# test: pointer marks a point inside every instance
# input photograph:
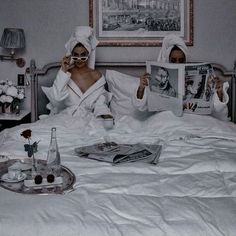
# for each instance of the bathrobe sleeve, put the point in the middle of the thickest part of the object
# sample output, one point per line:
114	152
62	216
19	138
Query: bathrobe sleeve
220	109
59	90
101	105
140	104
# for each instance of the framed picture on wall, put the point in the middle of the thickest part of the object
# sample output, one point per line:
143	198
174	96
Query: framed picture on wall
140	22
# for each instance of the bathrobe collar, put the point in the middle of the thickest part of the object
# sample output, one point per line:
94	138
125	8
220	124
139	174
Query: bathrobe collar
75	88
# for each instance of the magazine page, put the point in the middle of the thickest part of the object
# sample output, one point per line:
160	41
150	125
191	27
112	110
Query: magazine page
140	152
123	153
166	87
199	88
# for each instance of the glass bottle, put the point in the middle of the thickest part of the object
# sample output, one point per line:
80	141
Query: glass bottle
53	157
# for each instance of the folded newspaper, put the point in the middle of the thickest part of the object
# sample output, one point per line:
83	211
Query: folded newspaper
181	87
121	153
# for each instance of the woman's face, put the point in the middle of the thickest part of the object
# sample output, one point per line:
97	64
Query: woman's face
161	76
80	56
177	56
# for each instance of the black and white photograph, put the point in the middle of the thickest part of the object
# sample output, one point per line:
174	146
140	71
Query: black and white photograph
164	81
140	21
194	86
165	87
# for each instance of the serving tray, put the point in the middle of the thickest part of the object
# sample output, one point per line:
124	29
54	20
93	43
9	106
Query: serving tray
68	180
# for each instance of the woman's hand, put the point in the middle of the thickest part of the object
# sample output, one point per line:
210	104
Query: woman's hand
144	80
219	88
65	64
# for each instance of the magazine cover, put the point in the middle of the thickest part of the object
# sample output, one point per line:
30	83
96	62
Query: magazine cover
180	87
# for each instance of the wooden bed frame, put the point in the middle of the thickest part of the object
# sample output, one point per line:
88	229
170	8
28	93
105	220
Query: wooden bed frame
44	77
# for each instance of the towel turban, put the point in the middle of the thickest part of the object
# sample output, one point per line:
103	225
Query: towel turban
168	43
86	36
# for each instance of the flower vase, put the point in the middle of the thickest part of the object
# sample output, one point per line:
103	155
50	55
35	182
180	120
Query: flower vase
7	108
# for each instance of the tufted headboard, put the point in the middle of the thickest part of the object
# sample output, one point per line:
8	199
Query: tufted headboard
45	76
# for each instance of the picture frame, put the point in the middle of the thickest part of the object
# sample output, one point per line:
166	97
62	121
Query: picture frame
140	22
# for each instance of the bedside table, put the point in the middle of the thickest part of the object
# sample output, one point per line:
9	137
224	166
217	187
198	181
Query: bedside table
10	120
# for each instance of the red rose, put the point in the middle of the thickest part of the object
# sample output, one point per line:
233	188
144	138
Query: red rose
26	133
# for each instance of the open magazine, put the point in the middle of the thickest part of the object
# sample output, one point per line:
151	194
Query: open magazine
181	87
121	153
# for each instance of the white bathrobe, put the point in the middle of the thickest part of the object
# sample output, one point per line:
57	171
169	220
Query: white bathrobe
65	96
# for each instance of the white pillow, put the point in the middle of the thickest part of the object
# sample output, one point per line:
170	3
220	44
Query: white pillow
122	87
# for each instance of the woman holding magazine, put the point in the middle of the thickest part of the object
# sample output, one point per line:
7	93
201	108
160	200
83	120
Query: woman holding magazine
174	50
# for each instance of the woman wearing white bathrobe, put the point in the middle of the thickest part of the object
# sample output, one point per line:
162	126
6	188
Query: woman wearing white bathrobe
174	50
79	89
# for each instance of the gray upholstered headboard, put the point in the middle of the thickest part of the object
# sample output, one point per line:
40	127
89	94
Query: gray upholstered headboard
45	76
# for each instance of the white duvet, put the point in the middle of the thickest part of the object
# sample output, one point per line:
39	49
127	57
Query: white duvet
192	190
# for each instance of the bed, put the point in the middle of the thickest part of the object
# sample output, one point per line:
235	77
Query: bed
191	191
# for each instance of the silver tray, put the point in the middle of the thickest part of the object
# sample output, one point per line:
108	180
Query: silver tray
19	187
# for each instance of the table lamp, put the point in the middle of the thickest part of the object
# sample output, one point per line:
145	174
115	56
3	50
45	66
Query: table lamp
13	38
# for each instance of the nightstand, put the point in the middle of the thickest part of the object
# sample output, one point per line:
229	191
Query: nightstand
10	120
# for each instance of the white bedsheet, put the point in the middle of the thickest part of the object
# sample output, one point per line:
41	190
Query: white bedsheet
192	190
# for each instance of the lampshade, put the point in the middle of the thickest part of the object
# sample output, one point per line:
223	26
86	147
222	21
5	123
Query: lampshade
13	38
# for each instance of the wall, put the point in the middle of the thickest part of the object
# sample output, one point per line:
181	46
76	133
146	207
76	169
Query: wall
49	23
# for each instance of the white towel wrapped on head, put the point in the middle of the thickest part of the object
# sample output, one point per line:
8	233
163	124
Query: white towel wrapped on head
168	43
86	36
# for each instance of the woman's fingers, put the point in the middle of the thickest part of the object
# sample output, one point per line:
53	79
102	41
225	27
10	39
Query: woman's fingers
219	88
145	79
65	64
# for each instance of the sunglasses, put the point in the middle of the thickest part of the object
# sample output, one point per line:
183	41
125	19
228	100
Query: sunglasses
83	59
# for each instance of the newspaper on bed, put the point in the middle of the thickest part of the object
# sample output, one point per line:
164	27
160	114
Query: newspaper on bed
181	87
121	153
